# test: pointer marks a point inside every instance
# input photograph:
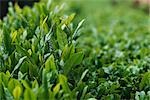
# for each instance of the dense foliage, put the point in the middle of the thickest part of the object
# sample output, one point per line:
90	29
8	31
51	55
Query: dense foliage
46	54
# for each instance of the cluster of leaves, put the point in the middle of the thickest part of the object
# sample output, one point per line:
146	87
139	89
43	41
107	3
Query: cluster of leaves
38	52
42	56
117	49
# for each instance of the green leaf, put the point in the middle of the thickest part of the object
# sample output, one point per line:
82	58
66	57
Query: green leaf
17	8
35	84
17	92
33	70
24	67
7	40
45	93
67	52
77	29
22	51
2	94
50	64
44	25
25	84
140	96
91	99
83	75
44	21
19	64
8	95
145	82
84	92
14	35
74	60
68	20
56	89
12	84
4	78
61	38
29	95
64	83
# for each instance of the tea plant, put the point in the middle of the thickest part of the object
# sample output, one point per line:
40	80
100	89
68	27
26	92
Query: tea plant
46	54
38	53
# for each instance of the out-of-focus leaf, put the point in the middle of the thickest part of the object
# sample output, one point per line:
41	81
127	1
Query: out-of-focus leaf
84	92
145	82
